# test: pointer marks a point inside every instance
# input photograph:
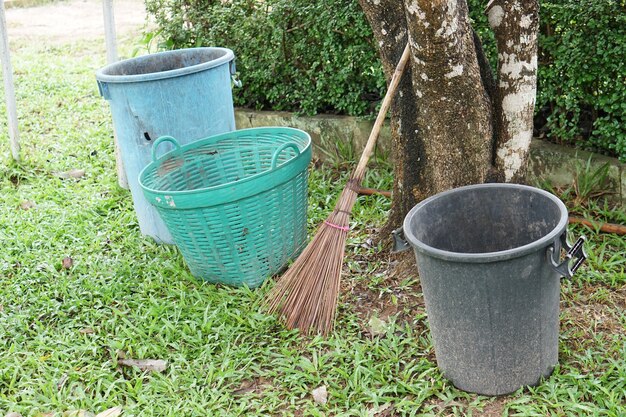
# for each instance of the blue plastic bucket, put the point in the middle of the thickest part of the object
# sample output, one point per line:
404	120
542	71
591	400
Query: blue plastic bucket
183	93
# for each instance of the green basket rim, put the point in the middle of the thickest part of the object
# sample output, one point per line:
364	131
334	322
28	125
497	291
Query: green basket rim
302	160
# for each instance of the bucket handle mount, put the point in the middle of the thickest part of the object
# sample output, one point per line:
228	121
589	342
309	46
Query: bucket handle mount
574	257
399	241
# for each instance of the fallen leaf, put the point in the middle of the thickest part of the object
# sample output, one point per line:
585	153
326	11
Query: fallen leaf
320	395
72	173
368	244
87	330
27	205
389	311
13	414
155	365
78	413
67	262
44	415
377	326
44	267
380	411
245	387
62	382
111	412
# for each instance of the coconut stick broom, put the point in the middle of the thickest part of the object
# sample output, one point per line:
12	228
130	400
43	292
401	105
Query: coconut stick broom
306	295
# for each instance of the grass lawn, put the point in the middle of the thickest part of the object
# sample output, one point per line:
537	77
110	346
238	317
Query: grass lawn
64	324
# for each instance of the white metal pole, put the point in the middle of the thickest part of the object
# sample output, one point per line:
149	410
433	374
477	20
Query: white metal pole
109	31
9	90
111	45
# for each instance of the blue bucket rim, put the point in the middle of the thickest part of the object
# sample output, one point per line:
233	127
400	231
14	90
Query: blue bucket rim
103	75
485	257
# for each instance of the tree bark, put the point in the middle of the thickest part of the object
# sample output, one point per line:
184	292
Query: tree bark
515	24
454	116
452	123
390	32
442	135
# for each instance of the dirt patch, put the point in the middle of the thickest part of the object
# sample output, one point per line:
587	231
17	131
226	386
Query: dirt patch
390	289
494	408
594	319
596	308
461	406
593	314
69	21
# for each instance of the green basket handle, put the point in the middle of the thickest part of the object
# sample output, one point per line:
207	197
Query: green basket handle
282	148
160	141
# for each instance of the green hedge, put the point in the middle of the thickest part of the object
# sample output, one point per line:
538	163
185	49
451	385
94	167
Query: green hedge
582	75
295	55
319	57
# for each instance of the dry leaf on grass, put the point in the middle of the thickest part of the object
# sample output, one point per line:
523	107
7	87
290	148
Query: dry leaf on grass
377	326
320	395
67	262
383	410
27	205
78	413
61	382
111	412
154	365
87	330
72	173
14	414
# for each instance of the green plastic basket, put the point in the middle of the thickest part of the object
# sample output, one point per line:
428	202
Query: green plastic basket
235	203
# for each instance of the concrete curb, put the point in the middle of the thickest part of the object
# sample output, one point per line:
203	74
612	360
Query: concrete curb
548	162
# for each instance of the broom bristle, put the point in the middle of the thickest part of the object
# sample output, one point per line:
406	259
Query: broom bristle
306	295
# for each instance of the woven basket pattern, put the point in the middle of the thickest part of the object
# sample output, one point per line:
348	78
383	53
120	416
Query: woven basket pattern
235	219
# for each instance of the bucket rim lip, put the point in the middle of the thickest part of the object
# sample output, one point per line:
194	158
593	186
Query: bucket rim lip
484	257
102	76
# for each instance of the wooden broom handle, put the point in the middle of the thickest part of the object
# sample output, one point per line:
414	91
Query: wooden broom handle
382	113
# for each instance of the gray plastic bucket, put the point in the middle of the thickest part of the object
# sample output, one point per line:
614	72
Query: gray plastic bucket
489	262
182	93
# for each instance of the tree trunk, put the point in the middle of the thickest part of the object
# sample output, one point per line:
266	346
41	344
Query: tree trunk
454	111
445	123
390	31
441	118
515	24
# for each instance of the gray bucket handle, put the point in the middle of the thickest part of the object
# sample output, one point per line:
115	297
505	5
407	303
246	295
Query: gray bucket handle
399	241
574	257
